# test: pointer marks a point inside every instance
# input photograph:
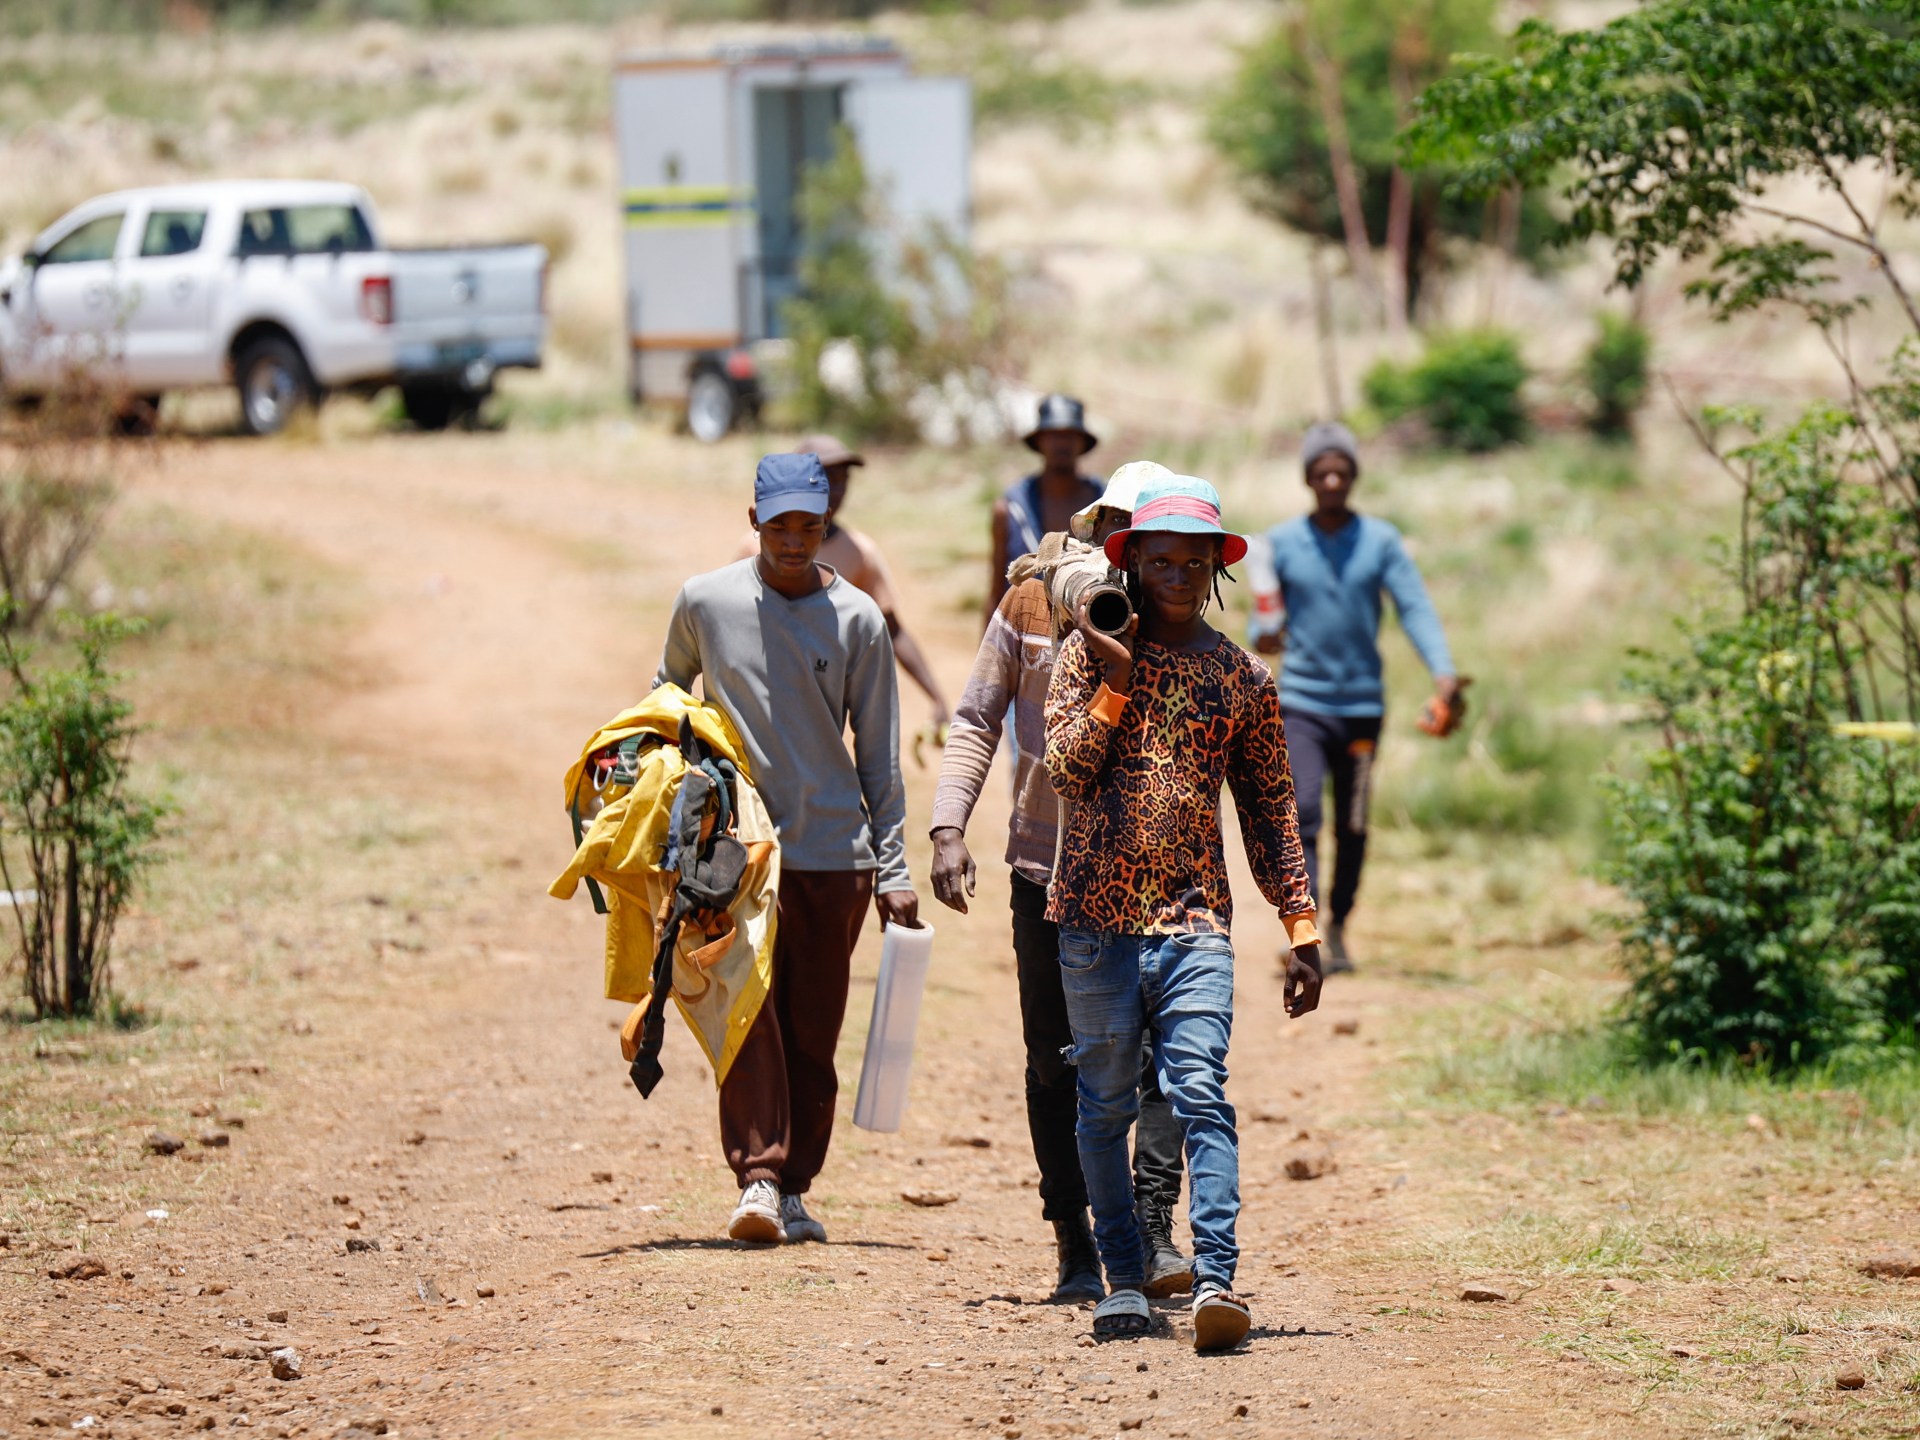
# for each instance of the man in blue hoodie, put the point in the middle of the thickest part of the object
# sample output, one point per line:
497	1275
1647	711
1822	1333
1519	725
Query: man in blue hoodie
1333	566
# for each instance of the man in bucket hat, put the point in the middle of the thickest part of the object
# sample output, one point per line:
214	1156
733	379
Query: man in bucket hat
1010	675
1043	502
796	656
1143	730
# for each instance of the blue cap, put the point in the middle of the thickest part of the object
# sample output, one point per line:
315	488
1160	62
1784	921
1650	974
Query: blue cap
789	482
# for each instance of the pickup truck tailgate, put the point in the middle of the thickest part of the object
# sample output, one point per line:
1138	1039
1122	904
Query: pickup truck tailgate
451	307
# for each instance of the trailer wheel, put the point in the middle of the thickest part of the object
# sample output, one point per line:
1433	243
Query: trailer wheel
711	407
274	382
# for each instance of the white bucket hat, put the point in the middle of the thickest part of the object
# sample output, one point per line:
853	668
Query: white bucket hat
1122	493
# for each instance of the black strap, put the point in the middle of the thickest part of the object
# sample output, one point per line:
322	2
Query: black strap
646	1070
580	838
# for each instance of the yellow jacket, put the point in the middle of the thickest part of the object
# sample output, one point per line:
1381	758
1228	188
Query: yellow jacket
719	984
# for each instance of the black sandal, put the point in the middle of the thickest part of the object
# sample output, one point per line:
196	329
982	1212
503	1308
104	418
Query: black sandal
1123	1315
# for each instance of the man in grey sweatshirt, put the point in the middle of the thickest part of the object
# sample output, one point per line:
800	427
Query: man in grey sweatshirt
794	654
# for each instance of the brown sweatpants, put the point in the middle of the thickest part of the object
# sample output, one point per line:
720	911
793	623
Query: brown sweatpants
776	1105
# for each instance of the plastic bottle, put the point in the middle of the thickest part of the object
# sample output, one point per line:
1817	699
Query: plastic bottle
884	1072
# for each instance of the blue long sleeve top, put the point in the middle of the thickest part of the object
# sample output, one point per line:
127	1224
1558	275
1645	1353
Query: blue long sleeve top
1331	586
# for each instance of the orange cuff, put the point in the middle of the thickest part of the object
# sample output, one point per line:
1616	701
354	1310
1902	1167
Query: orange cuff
1300	931
1108	706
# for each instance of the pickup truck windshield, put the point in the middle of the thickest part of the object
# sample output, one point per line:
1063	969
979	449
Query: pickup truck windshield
173	232
304	230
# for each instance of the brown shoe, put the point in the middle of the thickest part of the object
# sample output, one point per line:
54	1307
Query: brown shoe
1220	1321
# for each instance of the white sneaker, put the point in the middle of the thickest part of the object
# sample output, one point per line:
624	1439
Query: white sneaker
756	1219
800	1225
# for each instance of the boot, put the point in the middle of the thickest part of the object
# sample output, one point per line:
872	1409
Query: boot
1079	1263
1338	961
1168	1271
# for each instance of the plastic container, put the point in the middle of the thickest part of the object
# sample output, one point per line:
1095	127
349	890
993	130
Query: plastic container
888	1065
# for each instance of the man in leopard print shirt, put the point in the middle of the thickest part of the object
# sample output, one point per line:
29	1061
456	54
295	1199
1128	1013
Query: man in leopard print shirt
1143	730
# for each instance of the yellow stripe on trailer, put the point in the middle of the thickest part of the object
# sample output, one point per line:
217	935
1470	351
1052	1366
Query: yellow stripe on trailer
664	206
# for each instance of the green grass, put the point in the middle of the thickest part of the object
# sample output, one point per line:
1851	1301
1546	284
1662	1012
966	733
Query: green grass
1517	1061
1538	1245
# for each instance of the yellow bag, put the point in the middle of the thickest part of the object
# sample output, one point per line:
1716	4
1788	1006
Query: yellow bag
621	792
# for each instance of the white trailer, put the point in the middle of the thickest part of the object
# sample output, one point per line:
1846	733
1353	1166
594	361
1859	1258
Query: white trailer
713	150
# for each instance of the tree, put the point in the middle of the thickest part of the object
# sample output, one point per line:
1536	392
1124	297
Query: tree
1665	129
1771	849
1311	123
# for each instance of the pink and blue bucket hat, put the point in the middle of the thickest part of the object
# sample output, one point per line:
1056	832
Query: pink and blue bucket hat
1177	505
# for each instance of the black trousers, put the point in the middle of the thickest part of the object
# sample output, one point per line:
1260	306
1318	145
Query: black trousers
1052	1102
1340	748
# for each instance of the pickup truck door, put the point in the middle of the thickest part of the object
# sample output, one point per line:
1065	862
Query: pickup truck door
167	282
70	305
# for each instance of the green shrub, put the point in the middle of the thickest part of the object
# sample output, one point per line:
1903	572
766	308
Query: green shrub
1389	389
1773	863
1615	369
1466	387
75	838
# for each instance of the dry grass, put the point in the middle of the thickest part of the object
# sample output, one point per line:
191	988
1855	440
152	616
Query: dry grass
1152	279
246	638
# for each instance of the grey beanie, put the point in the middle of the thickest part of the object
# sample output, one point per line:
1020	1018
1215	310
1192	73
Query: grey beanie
1329	436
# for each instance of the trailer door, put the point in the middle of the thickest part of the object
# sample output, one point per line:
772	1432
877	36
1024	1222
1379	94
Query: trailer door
915	135
682	207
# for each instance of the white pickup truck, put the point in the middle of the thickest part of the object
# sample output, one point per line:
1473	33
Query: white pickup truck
280	288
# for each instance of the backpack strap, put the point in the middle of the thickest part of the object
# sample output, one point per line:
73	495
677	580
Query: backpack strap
580	838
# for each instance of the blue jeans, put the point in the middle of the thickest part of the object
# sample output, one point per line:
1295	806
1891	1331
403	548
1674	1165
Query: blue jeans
1179	990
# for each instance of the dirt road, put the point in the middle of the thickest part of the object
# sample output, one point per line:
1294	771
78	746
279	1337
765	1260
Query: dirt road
423	1061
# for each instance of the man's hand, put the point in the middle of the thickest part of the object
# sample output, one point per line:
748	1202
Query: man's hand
1268	644
953	869
899	907
1443	712
1302	992
1113	651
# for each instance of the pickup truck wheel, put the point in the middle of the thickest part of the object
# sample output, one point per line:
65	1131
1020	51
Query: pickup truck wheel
710	407
429	407
274	382
139	417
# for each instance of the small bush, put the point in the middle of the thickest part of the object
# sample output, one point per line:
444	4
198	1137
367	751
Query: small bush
895	337
1615	370
1389	389
75	839
1773	863
1466	387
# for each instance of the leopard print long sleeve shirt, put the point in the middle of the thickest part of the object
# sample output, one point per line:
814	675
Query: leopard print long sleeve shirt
1142	853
